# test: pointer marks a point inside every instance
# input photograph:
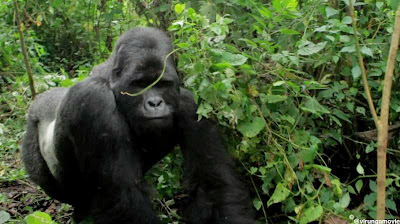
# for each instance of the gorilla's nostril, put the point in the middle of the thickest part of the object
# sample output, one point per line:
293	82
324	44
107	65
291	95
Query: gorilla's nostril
152	104
155	102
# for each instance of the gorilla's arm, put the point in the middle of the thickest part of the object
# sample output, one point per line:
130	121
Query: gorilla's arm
97	157
218	195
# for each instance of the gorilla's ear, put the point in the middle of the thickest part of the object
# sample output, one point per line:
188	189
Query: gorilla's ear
118	62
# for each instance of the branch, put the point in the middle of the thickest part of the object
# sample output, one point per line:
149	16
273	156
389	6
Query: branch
384	118
24	52
367	90
372	135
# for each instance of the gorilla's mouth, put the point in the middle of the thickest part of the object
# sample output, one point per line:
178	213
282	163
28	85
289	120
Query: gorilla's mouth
158	118
151	118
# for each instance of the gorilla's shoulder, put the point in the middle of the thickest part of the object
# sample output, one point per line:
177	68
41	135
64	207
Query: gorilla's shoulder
46	103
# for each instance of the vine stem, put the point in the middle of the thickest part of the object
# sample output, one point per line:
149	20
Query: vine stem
367	89
381	123
156	81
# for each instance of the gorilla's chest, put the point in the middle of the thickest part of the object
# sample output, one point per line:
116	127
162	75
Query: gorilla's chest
154	148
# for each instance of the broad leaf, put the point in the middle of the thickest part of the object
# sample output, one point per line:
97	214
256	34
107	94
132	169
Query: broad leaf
359	185
232	59
4	217
367	51
349	49
312	105
331	11
251	128
38	218
311	213
257	204
345	200
273	98
311	48
280	194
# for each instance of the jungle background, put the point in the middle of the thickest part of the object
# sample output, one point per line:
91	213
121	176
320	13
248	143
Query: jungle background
279	76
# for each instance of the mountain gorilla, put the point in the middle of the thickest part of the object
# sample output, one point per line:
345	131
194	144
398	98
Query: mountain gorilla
91	144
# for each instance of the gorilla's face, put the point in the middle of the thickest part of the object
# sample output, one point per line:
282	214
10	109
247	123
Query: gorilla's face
152	112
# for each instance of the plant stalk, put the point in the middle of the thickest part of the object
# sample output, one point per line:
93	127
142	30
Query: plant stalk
382	122
384	118
24	51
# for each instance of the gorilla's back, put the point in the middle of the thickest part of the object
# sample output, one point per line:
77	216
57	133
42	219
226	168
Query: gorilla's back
43	113
45	105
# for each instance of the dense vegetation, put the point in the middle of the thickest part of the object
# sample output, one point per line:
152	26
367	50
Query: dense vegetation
281	77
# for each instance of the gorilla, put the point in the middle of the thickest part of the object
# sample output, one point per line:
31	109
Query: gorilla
90	145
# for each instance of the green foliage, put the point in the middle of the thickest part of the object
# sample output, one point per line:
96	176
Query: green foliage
39	218
4	216
281	78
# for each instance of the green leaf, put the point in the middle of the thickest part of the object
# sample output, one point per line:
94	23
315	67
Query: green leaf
216	28
38	218
289	119
179	8
344	39
265	12
359	185
4	216
262	170
379	5
233	59
369	148
67	83
289	31
345	200
331	38
346	20
292	5
391	204
311	48
367	51
273	98
394	4
204	109
183	45
278	83
318	167
337	187
330	11
56	3
164	7
349	49
351	189
307	155
251	128
340	114
257	204
280	194
373	186
208	10
253	170
311	213
277	4
361	110
312	105
360	169
356	72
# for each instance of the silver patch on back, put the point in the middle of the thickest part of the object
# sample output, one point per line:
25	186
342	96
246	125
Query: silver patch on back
46	142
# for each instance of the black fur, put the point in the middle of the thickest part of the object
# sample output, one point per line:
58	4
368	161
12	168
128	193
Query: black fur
102	141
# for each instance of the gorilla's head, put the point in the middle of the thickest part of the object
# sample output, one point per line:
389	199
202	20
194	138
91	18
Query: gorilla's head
137	62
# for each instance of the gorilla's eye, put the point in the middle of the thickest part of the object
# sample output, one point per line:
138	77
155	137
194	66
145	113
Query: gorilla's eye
139	83
165	84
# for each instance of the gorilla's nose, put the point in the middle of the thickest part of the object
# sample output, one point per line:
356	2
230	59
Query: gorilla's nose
154	103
